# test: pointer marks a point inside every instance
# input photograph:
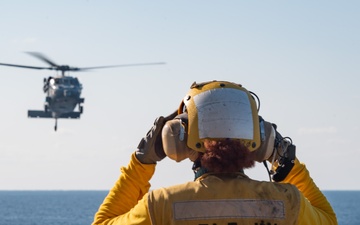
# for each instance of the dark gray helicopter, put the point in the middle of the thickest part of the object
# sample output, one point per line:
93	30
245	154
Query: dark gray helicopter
62	91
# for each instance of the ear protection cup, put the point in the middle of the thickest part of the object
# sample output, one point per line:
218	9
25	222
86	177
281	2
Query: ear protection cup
268	134
174	139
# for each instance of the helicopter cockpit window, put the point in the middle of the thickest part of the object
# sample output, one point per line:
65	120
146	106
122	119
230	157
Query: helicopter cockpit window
74	82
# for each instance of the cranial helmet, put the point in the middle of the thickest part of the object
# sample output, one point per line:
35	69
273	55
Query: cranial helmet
220	110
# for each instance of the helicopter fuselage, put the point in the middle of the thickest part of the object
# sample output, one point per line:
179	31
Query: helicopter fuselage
63	95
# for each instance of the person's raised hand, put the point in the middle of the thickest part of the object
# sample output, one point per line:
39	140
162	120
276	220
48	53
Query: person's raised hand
150	149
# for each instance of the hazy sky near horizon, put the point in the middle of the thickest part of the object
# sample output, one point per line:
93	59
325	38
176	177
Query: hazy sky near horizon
301	58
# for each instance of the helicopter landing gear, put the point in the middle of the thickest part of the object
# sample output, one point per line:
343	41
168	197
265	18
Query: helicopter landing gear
55	128
81	109
46	104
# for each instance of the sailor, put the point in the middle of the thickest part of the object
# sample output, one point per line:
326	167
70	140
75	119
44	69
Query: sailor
217	126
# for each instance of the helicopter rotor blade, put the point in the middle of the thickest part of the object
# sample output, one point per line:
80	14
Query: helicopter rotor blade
112	66
42	58
64	68
28	67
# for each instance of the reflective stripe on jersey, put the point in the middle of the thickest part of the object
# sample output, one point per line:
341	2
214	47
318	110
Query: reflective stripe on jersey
231	208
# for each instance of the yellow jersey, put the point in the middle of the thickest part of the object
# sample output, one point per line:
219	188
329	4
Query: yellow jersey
214	199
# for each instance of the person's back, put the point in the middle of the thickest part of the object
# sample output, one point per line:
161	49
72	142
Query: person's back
225	199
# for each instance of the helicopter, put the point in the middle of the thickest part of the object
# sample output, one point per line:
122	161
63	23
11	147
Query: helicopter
63	92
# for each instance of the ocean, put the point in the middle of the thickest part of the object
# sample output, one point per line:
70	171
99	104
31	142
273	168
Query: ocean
79	207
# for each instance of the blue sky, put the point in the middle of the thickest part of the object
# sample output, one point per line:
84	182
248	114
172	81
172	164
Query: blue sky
301	59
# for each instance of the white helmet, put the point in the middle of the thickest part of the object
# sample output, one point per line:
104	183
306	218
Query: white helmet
220	110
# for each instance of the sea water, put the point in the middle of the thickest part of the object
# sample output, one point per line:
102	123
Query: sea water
79	207
49	207
346	205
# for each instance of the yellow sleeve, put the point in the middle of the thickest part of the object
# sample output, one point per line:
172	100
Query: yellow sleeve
314	207
126	203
